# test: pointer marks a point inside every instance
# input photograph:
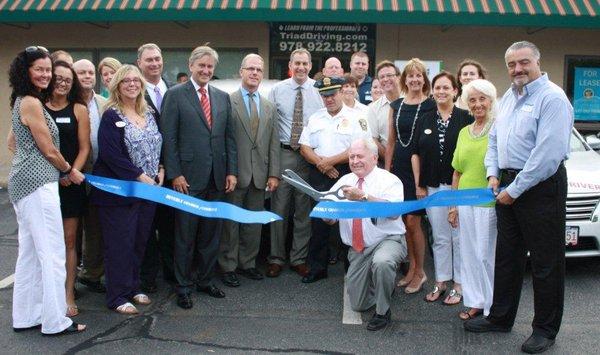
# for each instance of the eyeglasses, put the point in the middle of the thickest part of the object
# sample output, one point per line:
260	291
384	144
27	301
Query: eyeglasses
60	79
128	81
33	49
387	76
251	69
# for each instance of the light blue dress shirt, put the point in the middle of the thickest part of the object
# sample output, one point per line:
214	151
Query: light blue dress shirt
283	96
532	133
247	100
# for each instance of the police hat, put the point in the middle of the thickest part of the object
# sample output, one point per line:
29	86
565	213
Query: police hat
329	86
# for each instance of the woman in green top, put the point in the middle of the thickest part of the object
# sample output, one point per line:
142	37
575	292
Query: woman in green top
477	224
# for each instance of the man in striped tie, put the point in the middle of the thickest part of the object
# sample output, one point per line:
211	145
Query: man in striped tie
377	245
200	156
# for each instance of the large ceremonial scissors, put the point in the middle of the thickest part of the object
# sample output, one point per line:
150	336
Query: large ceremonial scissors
295	180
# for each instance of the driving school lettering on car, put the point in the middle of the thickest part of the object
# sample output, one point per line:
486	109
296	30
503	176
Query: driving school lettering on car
584	185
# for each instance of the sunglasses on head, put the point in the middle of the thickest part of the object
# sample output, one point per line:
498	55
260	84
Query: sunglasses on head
33	49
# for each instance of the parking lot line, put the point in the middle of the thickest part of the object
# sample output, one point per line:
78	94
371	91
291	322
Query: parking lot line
349	316
7	281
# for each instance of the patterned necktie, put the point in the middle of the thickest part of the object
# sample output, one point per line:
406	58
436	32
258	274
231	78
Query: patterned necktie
297	120
205	103
358	243
253	114
158	97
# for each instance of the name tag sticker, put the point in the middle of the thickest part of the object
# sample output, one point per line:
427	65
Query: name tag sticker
63	120
527	108
120	124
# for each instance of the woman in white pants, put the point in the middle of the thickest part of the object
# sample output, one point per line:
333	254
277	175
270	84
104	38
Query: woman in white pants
477	224
433	149
39	291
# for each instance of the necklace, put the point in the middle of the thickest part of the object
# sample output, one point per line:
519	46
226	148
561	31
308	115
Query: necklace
412	130
484	130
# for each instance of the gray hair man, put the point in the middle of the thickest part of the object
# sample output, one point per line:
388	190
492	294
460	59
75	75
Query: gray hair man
527	147
200	158
257	141
92	246
377	246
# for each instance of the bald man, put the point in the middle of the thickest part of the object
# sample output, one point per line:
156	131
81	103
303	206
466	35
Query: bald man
333	68
92	254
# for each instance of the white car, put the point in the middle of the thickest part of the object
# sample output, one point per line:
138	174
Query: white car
583	210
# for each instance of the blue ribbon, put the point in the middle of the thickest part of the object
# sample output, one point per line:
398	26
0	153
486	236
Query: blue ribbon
337	209
180	201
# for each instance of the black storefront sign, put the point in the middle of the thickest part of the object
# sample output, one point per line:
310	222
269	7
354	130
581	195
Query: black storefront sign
322	40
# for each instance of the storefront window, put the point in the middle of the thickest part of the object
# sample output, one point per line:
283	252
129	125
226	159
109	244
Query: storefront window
582	82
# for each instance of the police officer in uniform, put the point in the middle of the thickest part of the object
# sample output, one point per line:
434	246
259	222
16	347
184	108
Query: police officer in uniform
324	144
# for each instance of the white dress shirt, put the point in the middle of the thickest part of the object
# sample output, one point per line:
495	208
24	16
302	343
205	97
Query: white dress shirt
378	116
380	184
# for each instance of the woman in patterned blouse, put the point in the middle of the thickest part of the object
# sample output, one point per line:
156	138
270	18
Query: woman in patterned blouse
39	293
129	145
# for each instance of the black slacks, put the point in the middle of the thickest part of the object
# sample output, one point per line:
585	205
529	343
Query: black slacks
160	246
535	222
318	245
196	244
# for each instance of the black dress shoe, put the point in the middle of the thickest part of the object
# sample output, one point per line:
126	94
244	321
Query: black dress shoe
94	286
536	344
230	279
184	301
211	290
251	273
310	278
483	325
379	321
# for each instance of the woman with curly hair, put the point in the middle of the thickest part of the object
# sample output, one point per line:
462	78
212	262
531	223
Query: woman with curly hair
39	291
68	110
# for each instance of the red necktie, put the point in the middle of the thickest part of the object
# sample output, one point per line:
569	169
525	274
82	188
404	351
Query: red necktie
358	243
205	103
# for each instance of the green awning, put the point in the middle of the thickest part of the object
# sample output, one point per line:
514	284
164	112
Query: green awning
538	13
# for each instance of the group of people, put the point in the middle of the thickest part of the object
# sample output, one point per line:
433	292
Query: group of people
395	137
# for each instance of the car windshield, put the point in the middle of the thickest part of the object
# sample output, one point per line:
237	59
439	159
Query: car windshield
577	144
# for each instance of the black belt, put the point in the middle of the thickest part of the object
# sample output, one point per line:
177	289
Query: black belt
507	176
286	146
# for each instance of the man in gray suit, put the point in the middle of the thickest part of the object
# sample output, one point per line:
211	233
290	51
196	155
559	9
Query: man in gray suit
257	140
200	158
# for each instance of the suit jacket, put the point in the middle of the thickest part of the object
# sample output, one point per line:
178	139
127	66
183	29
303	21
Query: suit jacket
155	111
191	148
257	158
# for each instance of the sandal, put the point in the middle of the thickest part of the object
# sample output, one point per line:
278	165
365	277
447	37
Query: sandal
452	294
72	310
436	291
73	328
142	299
403	282
126	308
469	314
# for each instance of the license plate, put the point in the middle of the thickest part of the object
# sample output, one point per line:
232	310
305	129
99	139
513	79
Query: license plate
571	235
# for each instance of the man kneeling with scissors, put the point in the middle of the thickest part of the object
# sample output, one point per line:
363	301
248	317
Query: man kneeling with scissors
377	245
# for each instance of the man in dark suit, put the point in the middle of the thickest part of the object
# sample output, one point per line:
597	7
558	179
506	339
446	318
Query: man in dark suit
257	140
160	244
200	158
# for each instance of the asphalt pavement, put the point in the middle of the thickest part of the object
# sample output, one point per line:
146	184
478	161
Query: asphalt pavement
282	315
